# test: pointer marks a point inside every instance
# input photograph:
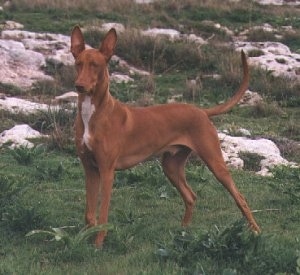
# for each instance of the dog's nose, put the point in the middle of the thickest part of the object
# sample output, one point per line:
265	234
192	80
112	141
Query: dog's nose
80	88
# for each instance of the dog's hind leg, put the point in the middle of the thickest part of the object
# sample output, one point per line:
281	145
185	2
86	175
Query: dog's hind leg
173	167
208	148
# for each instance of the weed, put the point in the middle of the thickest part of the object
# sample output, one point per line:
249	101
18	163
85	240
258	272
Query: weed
289	149
229	251
289	182
59	122
157	54
263	109
255	53
71	241
22	218
280	89
64	77
150	172
46	172
251	161
11	89
292	40
25	155
259	35
8	190
292	129
45	89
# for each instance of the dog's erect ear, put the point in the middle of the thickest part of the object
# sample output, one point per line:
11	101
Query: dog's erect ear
108	44
77	42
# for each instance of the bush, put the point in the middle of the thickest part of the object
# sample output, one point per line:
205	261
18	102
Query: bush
285	91
25	155
235	250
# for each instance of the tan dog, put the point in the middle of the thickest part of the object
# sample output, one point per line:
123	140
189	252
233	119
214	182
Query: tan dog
113	136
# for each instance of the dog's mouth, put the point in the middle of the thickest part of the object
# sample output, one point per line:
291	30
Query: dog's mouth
83	90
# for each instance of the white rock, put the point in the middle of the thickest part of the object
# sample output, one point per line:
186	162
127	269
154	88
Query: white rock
232	146
24	54
196	39
144	1
250	99
19	135
155	32
276	57
12	25
17	105
244	132
132	70
278	2
118	26
20	67
53	46
120	78
67	97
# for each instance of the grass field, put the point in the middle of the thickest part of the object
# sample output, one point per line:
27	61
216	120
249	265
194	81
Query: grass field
145	214
43	188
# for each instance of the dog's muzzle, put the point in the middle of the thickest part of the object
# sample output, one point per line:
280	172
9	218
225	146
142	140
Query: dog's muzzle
80	89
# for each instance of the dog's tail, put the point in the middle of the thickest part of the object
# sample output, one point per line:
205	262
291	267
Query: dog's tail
226	106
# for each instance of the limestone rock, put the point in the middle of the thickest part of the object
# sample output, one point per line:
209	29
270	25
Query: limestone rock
19	135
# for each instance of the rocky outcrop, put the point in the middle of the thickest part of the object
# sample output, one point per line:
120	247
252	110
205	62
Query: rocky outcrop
272	56
25	54
278	2
18	105
232	147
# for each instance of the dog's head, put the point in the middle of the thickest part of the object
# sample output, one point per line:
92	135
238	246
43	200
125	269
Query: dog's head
91	64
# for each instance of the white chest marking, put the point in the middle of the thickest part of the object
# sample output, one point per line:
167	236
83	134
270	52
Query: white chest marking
87	110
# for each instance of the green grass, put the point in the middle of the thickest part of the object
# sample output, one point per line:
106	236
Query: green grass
145	213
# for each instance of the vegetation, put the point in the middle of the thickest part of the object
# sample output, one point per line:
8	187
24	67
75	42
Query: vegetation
42	196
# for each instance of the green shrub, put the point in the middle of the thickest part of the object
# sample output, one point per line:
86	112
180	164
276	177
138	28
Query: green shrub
289	182
260	35
264	109
22	218
285	91
25	155
235	250
251	161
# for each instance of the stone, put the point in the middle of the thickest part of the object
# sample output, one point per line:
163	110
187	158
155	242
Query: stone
20	67
124	65
18	105
250	99
169	33
278	2
19	135
232	146
275	57
25	54
117	26
69	97
120	78
11	25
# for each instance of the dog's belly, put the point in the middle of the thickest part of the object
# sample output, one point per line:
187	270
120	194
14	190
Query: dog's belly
130	160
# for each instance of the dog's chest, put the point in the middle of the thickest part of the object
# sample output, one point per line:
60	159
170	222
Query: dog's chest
87	110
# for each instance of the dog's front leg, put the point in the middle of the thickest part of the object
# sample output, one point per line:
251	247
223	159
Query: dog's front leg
106	181
92	182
